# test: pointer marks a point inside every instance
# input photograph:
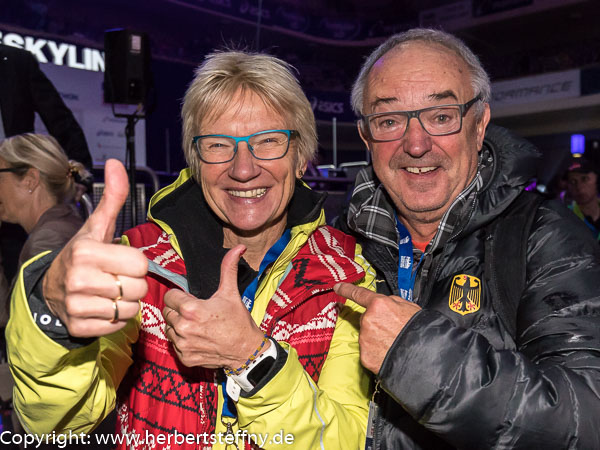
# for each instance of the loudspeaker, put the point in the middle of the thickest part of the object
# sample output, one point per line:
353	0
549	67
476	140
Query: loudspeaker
127	76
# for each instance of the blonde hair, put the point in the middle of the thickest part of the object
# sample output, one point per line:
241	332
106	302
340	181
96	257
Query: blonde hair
223	74
44	153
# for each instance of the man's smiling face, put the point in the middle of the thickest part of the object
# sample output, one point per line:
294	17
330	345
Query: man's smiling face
423	174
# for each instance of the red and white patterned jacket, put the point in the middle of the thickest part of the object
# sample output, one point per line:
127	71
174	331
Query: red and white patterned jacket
161	396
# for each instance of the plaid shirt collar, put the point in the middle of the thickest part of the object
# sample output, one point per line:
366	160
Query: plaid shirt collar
371	212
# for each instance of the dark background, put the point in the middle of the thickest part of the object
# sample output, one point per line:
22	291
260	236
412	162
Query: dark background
327	40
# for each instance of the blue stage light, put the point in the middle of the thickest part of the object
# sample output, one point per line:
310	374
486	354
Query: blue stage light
577	144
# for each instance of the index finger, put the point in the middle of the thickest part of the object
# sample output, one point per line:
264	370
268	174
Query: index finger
357	294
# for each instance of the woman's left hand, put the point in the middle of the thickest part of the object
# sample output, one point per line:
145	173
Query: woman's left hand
216	332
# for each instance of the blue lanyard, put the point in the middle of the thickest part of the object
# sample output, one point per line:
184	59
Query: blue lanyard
270	257
406	276
248	299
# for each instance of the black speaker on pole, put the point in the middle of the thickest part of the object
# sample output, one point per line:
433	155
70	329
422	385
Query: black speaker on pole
127	76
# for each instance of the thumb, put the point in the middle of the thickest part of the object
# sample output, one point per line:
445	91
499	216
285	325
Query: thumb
229	269
357	294
101	222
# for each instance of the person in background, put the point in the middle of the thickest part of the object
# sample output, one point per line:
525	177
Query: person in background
37	187
582	186
24	91
252	341
454	368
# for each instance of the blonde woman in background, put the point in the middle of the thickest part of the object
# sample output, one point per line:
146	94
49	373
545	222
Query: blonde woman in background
37	188
37	191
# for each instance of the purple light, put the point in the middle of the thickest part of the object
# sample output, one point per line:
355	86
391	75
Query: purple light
577	144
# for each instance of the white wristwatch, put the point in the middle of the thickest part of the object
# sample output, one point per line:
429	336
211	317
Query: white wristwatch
251	376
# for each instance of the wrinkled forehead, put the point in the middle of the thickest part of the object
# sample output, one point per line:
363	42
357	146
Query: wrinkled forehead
231	103
421	55
416	75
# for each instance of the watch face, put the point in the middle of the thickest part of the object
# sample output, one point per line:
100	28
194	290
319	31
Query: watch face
260	370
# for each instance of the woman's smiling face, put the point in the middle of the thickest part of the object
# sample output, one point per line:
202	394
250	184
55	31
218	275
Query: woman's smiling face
249	195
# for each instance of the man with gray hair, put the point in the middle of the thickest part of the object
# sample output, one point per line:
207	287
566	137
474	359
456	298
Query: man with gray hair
484	330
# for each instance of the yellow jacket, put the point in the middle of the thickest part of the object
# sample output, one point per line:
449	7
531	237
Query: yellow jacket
60	389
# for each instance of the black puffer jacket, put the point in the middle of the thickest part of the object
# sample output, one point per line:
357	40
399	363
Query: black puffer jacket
462	381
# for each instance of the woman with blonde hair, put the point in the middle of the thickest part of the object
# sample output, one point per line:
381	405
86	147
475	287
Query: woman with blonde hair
37	188
218	327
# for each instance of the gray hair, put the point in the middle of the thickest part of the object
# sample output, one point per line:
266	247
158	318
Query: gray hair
44	153
222	74
480	81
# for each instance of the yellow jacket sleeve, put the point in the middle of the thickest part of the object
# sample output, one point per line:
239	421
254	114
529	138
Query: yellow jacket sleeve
57	388
291	411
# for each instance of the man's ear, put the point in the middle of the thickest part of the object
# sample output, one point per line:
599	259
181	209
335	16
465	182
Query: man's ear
482	125
363	135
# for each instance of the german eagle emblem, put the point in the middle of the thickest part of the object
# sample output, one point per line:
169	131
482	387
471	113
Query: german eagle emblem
465	294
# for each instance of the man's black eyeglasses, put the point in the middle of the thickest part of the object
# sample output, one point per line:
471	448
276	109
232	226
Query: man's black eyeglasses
435	120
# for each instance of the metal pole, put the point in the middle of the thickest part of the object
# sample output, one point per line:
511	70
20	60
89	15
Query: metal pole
334	133
130	136
168	150
258	22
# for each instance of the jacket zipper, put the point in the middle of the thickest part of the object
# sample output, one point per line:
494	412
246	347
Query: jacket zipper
376	421
436	268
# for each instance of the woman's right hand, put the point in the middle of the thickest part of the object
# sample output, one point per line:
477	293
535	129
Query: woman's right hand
81	284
